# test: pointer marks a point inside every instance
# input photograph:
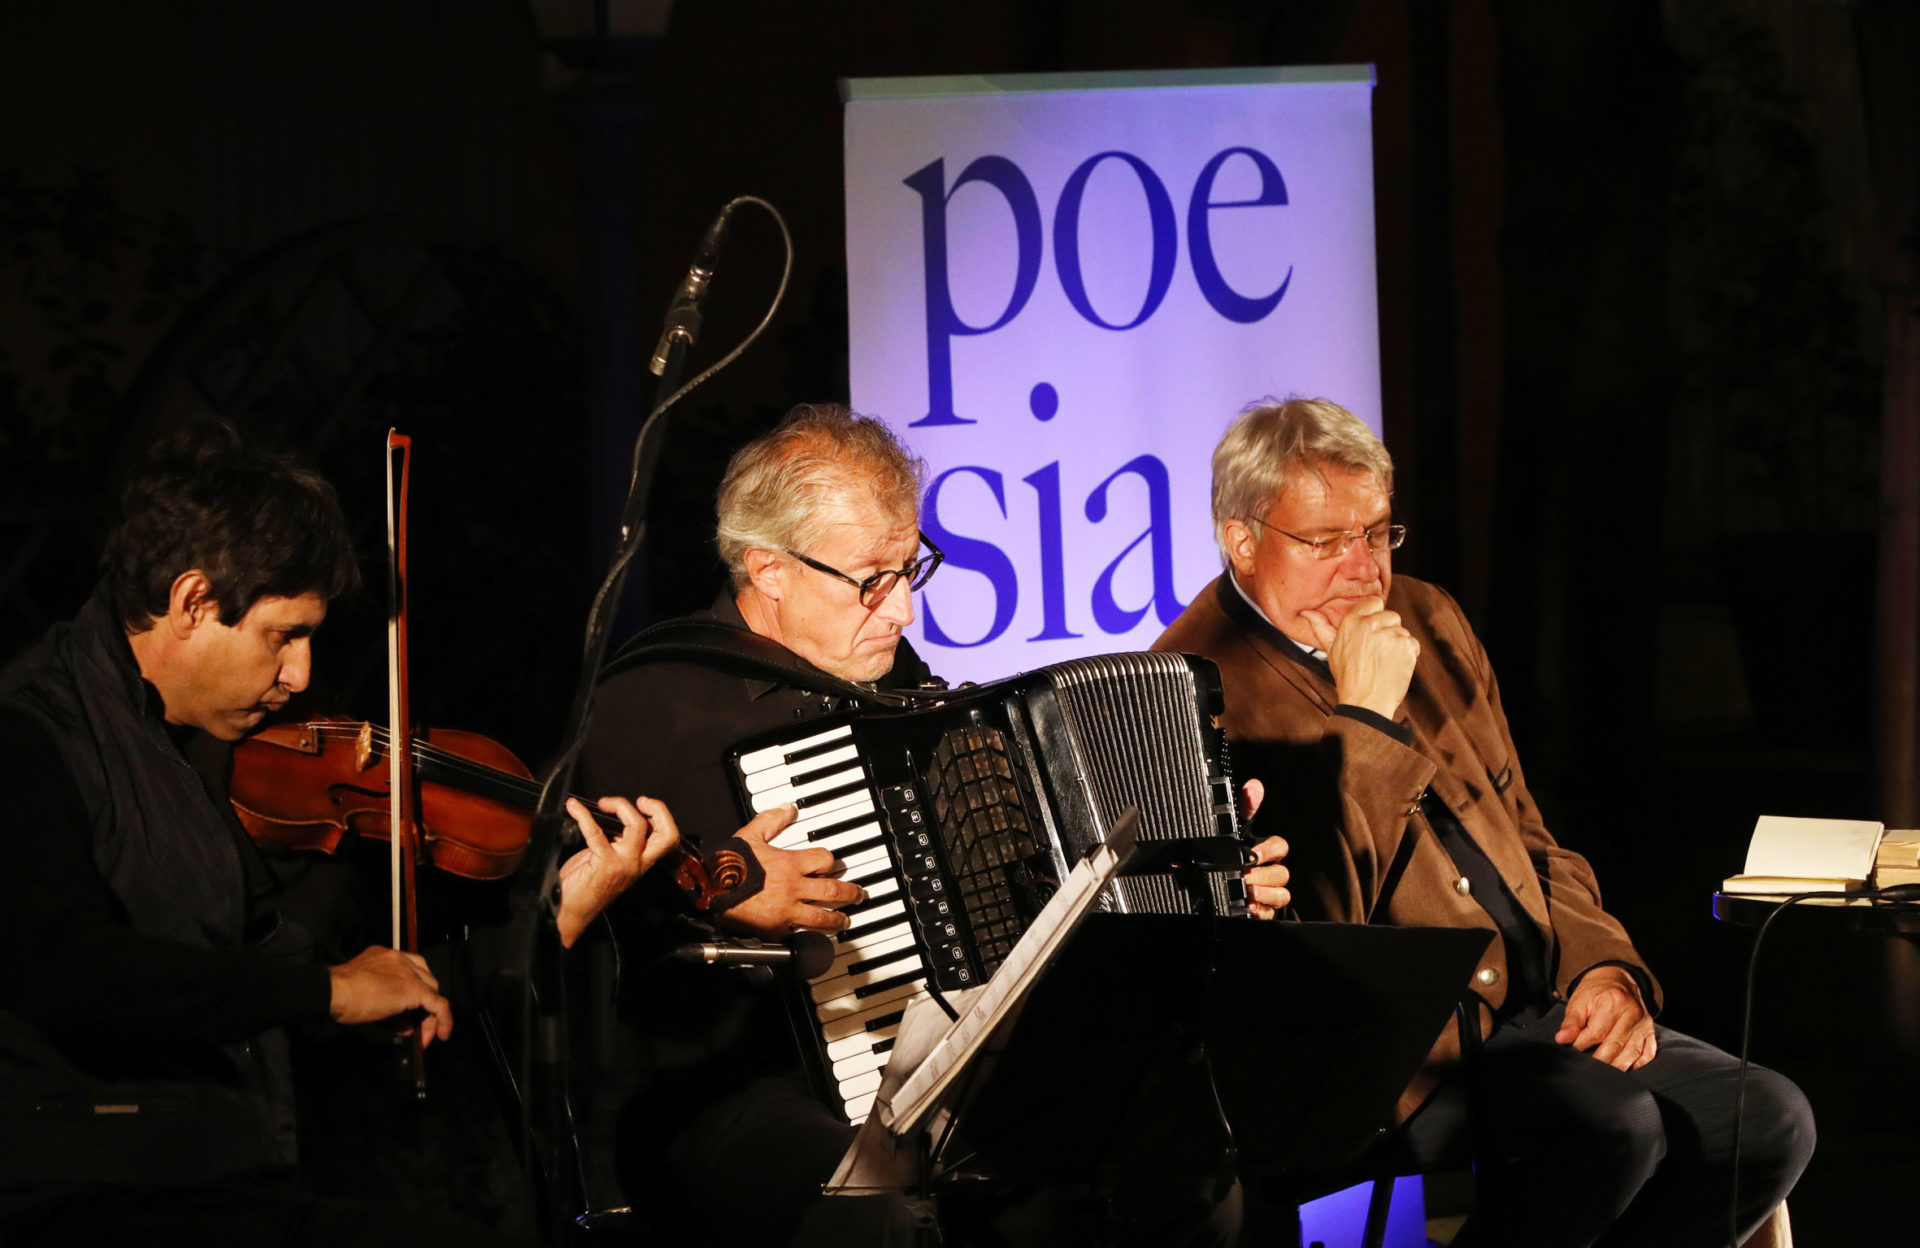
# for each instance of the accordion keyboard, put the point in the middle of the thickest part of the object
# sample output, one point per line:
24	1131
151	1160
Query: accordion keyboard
961	818
880	961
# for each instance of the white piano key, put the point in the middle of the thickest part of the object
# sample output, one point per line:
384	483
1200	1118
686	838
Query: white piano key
869	940
881	886
797	838
859	1063
866	864
839	810
874	914
866	1083
858	1107
775	755
850	1014
834	988
773	777
861	1041
780	795
877	944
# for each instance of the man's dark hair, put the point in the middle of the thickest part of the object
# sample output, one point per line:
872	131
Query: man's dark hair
258	523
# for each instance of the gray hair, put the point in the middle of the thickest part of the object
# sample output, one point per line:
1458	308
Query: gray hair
781	488
1273	441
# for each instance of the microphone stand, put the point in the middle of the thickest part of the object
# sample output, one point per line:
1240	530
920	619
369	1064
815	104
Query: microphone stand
533	958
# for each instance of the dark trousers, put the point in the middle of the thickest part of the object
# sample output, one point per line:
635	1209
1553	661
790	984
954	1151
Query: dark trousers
1587	1154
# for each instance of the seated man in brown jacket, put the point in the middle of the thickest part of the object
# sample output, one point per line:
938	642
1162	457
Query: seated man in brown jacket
1370	710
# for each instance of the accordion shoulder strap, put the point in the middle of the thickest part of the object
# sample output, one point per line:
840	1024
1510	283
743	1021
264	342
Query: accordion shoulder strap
709	643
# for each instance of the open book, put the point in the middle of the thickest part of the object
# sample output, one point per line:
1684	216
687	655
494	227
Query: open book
931	1051
1789	856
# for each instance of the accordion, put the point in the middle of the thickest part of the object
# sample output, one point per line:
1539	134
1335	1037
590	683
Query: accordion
960	818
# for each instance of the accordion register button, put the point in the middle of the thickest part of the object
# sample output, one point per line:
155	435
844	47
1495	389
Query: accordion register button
932	912
926	890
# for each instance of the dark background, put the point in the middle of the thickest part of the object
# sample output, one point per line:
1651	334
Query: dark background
1639	264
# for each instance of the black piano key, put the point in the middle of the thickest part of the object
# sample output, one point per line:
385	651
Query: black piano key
815	751
867	964
854	931
880	1022
833	829
807	777
856	847
879	986
828	795
884	1046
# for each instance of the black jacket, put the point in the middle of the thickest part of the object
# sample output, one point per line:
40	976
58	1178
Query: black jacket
140	996
664	729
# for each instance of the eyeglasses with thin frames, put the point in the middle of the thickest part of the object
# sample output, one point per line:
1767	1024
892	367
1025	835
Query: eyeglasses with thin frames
874	589
1380	539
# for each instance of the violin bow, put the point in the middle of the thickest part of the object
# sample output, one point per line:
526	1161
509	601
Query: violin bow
401	809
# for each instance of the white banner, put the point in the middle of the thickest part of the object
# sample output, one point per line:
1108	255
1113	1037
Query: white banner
1062	289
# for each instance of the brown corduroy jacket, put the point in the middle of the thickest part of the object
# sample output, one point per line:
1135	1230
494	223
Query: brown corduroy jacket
1345	794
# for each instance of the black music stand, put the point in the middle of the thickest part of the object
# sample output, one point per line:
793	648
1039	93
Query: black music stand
1154	1043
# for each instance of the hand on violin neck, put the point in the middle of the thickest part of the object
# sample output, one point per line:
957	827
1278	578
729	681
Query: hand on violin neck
799	889
594	876
384	983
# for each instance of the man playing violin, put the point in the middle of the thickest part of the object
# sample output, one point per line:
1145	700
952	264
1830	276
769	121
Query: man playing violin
819	529
145	975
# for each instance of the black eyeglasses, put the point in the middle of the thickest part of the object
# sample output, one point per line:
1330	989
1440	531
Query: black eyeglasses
1379	539
874	590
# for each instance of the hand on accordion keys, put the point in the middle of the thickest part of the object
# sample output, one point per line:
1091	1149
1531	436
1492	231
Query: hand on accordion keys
798	894
1267	877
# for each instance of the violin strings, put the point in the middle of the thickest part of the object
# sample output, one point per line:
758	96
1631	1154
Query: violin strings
452	763
430	752
520	786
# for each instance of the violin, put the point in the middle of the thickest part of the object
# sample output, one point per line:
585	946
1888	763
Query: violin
305	785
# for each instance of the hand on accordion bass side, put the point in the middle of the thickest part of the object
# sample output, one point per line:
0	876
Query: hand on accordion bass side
1266	877
799	893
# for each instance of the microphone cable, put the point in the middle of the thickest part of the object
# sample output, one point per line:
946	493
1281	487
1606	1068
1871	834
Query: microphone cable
594	644
537	888
1899	893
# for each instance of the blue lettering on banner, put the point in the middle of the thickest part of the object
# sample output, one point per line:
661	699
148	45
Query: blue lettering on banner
975	555
1227	301
1053	562
943	323
1066	239
1108	614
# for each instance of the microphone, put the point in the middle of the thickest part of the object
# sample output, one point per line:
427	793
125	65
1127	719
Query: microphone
683	314
810	953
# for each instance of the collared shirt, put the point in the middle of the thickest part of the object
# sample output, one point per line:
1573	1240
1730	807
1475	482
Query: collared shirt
1302	646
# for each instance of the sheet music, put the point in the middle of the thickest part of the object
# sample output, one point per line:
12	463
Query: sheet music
987	1006
927	1056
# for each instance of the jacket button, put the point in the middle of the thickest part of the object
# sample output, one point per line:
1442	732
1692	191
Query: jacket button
1463	886
1487	976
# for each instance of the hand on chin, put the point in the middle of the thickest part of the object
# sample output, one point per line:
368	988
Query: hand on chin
1336	607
